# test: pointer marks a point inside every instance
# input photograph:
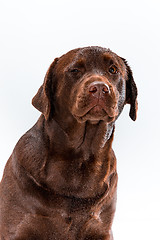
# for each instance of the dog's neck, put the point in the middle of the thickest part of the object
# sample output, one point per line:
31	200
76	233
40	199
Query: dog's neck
86	156
79	136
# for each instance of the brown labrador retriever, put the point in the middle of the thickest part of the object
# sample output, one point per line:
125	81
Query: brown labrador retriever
60	181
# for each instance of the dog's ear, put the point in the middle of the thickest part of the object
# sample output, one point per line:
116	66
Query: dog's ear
44	97
131	92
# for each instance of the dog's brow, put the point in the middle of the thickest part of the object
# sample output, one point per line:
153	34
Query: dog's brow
80	62
113	60
107	57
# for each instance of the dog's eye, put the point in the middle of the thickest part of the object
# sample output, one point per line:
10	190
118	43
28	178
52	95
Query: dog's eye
113	69
75	70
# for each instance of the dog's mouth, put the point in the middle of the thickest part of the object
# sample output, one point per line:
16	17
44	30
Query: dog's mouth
98	112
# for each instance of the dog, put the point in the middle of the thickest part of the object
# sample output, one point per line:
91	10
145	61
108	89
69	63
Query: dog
60	181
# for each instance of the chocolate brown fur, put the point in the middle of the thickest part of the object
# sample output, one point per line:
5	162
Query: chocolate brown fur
60	181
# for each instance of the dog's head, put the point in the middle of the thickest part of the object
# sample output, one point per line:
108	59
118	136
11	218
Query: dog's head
91	83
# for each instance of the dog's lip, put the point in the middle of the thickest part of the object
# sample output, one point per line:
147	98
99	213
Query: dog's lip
97	108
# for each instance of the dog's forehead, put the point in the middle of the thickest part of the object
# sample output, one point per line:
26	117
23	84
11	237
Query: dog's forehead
92	56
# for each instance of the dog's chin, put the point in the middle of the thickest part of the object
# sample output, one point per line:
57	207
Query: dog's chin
94	115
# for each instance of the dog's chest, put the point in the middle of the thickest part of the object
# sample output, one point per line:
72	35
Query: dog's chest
77	215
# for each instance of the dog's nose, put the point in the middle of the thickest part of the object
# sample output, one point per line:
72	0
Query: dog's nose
98	88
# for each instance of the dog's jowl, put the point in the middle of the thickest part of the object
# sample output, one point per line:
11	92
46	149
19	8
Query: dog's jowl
60	181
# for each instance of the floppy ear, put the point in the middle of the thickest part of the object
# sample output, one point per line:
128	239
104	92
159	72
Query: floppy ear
44	97
131	92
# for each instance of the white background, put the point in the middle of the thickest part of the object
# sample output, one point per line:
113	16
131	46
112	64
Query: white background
34	32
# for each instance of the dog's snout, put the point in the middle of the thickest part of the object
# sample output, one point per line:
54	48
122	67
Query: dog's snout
96	88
